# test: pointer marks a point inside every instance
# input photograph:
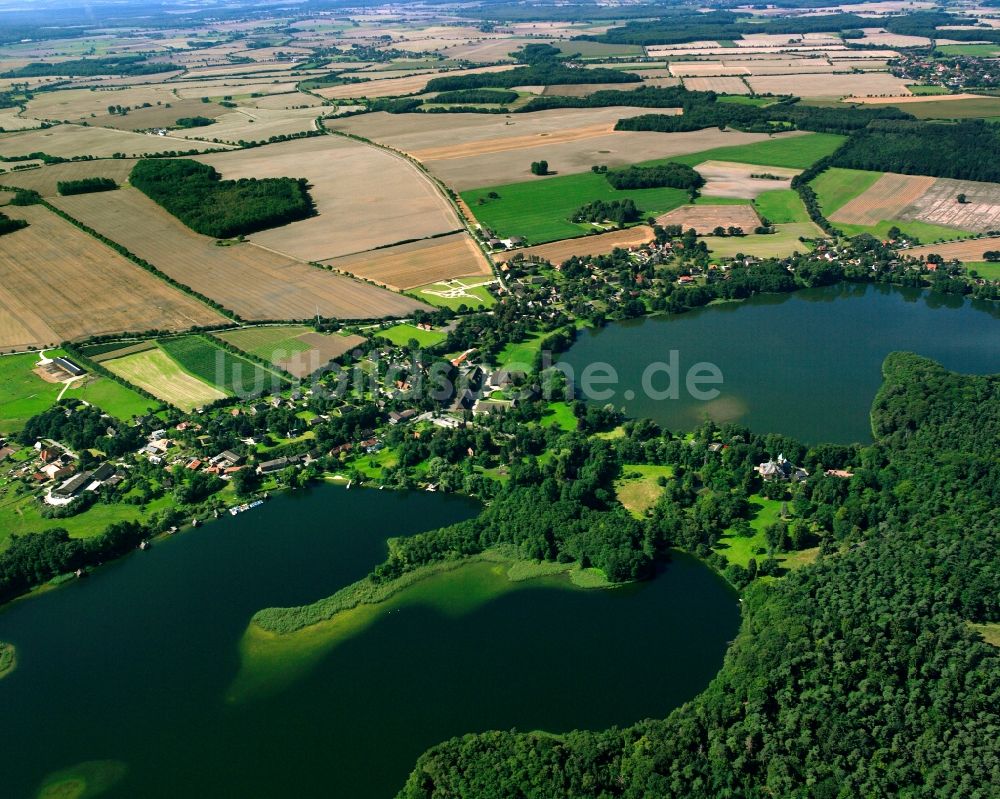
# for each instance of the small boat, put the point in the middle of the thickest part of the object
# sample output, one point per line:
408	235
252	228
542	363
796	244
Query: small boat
195	522
349	483
144	545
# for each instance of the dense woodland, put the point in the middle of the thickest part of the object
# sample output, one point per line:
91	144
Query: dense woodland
87	67
964	151
621	212
197	195
677	176
855	677
85	186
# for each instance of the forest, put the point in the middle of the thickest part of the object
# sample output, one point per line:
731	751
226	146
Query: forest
85	186
858	676
678	176
87	67
964	150
476	97
197	195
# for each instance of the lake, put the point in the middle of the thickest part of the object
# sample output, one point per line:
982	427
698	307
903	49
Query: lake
123	677
806	364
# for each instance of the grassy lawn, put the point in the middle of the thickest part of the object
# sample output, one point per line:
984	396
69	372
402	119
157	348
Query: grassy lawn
20	515
738	549
23	393
744	99
521	353
539	210
836	187
990	632
470	296
990	271
112	398
783	242
559	414
781	207
638	488
401	335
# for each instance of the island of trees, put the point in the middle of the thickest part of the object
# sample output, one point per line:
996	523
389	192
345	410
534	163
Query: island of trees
197	195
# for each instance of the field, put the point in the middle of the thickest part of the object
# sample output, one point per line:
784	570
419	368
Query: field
969	251
160	375
601	244
390	87
250	280
720	85
728	179
540	211
559	414
884	199
467	151
470	292
943	106
297	349
111	397
939	206
783	242
638	488
781	207
69	140
44	179
401	335
23	393
406	266
983	50
159	116
836	187
57	283
204	359
705	218
867	84
255	124
984	269
354	212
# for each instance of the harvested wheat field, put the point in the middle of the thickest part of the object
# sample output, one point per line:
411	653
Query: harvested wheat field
285	100
722	85
159	116
300	351
77	287
77	104
69	140
253	282
491	150
980	213
915	98
694	69
9	120
705	218
255	124
866	84
970	250
44	180
354	211
601	244
160	375
391	87
418	263
726	179
885	199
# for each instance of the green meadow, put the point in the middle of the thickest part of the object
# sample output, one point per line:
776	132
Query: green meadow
401	335
540	210
23	393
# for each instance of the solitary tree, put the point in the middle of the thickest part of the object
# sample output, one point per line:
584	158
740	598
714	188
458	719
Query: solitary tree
962	199
539	167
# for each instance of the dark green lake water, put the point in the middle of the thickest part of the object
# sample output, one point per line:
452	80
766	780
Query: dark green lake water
133	664
806	364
